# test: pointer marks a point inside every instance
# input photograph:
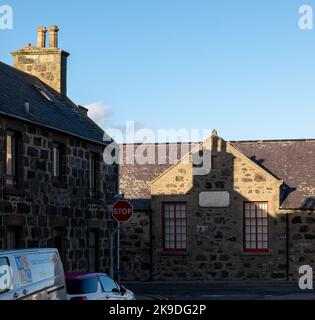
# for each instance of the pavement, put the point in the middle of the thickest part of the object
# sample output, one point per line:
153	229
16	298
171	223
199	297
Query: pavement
219	291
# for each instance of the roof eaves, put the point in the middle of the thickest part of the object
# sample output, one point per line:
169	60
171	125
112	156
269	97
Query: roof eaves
291	207
104	143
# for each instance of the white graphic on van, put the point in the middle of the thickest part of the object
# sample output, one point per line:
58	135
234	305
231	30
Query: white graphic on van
6	279
42	266
24	270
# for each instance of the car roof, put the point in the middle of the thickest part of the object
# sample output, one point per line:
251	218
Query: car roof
82	275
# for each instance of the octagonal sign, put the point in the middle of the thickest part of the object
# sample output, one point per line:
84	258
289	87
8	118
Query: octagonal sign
122	211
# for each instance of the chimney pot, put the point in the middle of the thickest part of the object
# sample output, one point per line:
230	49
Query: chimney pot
41	37
53	36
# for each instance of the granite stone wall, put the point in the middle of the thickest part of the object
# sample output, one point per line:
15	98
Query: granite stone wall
215	235
136	247
301	241
215	246
45	211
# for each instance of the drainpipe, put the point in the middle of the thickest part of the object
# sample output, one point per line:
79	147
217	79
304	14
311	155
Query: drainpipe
288	246
3	174
151	250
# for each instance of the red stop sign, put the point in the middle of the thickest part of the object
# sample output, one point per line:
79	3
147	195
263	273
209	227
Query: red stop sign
122	210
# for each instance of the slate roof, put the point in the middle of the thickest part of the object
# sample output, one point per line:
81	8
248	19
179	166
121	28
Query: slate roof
135	178
289	160
292	161
47	107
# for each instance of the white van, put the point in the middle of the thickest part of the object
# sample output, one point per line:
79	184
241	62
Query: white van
31	274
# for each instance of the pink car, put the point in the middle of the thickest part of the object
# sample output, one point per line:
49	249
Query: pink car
95	286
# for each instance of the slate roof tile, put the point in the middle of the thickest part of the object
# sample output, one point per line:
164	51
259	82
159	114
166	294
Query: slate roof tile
289	160
17	88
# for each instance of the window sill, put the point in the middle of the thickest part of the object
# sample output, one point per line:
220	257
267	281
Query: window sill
165	253
256	254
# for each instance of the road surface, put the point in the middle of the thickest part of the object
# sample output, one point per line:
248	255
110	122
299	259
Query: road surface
219	291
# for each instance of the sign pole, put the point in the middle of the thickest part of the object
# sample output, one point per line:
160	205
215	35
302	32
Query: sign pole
122	212
118	253
111	256
112	250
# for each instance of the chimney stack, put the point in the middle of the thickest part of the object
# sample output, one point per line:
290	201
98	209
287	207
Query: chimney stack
49	64
41	37
53	36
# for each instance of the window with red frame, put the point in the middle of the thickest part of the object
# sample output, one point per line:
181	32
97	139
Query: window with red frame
174	227
256	227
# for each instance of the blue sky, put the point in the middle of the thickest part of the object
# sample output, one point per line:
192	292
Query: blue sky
242	67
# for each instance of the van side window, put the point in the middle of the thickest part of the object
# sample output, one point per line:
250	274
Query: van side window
5	276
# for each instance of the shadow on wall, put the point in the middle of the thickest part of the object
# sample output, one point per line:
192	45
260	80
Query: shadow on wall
302	237
221	243
216	231
136	247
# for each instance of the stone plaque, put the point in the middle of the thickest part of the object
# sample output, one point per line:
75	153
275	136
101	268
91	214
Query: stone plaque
214	199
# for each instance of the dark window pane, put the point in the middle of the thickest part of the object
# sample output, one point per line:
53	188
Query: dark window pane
11	159
175	226
256	227
56	161
82	286
58	241
93	171
13	238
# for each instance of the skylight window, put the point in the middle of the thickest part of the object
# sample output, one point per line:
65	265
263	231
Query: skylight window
44	93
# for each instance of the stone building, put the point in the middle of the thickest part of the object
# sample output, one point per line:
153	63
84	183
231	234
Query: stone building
55	188
252	216
135	178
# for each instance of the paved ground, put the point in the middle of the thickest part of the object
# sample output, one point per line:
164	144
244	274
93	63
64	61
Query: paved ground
219	291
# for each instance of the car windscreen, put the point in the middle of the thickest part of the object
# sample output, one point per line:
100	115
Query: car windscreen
108	284
82	286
